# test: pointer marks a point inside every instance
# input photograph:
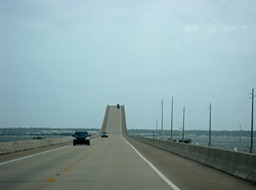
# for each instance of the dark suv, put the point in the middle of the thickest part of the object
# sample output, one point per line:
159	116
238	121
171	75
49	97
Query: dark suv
81	137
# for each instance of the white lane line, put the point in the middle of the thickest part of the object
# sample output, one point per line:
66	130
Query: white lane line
33	155
172	185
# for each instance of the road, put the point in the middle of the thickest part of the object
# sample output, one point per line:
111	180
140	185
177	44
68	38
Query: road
111	163
106	164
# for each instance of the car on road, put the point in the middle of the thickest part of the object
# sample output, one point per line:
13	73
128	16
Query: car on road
104	134
81	137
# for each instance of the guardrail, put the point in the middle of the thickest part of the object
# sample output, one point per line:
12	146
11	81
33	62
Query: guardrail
238	164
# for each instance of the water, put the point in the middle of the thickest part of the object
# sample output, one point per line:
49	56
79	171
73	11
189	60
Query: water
19	134
10	138
231	143
224	142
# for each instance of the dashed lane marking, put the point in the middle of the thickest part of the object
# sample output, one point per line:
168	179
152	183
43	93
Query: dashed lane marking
50	180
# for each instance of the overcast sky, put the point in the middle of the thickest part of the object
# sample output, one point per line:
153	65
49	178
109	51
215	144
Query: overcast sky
63	62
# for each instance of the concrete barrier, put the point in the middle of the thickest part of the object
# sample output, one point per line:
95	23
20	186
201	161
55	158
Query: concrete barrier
10	147
238	164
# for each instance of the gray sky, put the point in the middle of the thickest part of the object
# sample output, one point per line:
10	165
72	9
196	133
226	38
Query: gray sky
62	62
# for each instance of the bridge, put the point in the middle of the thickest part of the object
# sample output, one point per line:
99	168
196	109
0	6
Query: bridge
117	162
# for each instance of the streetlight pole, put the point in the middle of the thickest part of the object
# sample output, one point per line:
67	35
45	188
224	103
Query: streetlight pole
210	125
183	126
162	118
251	147
172	118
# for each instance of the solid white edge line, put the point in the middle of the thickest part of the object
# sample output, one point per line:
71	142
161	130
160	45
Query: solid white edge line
172	185
32	155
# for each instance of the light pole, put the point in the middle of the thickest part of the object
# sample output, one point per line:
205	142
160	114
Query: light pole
172	118
251	147
210	125
183	124
162	118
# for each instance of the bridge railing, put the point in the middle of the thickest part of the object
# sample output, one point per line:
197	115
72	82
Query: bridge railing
238	164
16	146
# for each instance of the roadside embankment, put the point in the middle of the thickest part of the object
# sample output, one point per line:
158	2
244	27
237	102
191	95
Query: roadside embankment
16	146
238	164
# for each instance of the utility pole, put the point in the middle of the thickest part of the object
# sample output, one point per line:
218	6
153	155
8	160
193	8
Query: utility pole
156	129
251	147
162	118
183	125
171	118
240	133
210	125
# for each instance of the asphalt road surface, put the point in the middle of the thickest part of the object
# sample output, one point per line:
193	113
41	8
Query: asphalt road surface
111	163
